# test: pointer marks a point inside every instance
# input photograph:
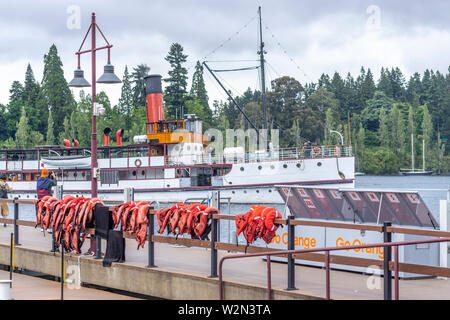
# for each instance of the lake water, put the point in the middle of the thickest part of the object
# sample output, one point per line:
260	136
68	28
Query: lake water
431	188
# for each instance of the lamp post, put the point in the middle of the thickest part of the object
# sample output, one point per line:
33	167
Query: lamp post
79	82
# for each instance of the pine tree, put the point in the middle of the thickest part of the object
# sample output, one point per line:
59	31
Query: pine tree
50	137
198	90
137	76
126	97
368	88
384	84
14	108
427	129
175	91
55	90
23	131
384	129
30	96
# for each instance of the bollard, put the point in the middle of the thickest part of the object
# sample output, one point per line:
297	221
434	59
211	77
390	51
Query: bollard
16	226
387	275
290	260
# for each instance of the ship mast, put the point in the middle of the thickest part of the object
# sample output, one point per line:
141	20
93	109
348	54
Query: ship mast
261	53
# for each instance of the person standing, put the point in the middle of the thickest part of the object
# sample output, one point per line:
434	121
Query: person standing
4	189
45	184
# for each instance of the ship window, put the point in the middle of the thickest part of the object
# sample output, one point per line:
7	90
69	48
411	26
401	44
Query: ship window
123	175
242	168
188	148
285	165
2	155
272	167
259	167
319	164
298	165
138	152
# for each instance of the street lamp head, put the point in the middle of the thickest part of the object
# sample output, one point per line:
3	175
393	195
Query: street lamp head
108	75
79	81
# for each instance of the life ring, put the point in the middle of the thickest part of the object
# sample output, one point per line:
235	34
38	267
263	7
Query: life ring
337	151
138	163
316	151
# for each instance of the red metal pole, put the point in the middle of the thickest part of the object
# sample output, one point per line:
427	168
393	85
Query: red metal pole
94	163
327	271
397	283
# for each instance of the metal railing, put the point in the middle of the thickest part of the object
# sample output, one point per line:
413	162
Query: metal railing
260	156
387	275
306	254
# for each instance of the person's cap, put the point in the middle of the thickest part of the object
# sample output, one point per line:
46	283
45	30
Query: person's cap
44	173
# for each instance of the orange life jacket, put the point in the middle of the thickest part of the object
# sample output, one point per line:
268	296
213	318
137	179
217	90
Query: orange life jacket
252	229
268	228
242	220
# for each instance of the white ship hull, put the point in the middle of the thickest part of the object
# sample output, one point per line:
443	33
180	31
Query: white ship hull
249	182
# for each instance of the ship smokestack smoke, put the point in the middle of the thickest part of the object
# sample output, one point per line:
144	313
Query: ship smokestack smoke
154	100
106	132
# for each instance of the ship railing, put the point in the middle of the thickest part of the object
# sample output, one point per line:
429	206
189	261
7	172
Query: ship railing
314	152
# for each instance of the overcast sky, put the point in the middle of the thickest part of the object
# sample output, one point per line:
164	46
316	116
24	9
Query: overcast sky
303	38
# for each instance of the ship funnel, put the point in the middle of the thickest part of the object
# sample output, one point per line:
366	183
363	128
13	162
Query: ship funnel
106	134
119	135
154	100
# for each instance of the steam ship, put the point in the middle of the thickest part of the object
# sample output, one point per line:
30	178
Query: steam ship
172	161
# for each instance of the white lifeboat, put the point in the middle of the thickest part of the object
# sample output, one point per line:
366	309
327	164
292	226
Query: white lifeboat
67	162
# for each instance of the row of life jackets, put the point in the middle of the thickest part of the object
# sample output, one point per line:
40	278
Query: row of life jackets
258	222
193	219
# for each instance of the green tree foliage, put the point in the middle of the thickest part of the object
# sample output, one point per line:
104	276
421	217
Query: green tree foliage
122	111
23	131
56	93
50	137
198	91
138	78
370	115
175	91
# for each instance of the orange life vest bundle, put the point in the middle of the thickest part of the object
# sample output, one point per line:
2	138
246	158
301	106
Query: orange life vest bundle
258	222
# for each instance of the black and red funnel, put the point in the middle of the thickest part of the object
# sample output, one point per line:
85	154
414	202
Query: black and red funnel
154	100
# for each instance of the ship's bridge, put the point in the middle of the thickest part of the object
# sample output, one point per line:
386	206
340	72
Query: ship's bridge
187	130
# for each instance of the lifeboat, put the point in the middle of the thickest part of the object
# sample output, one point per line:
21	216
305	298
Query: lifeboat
67	162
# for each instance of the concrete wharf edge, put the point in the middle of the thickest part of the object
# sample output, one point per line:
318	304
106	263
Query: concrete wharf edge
133	277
